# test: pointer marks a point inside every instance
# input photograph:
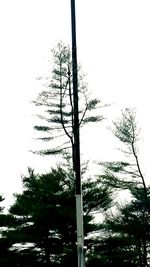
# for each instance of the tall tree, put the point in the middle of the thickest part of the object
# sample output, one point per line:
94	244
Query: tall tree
127	132
130	226
126	174
57	103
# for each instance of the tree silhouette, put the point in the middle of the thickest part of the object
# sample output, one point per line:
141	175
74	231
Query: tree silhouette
58	107
44	227
126	230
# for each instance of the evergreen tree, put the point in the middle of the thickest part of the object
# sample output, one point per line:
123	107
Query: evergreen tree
45	228
127	236
58	107
126	174
126	231
7	257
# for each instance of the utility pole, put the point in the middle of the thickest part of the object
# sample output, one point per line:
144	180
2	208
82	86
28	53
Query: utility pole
76	152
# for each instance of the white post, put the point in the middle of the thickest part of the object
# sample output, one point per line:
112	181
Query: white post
80	236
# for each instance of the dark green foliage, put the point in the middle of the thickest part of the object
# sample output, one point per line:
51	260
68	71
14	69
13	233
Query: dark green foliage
41	230
120	175
102	196
131	224
7	257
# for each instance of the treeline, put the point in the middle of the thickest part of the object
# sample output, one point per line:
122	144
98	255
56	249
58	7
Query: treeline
39	228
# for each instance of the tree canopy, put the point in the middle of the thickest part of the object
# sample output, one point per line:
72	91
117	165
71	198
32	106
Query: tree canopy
58	105
43	218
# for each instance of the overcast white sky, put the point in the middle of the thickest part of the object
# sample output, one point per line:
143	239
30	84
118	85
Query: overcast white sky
114	49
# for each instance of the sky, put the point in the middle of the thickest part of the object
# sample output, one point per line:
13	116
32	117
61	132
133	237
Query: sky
113	45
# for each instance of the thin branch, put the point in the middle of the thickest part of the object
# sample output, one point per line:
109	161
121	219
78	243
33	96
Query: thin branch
85	110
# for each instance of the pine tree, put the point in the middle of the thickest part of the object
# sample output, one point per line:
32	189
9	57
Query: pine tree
46	220
126	230
57	103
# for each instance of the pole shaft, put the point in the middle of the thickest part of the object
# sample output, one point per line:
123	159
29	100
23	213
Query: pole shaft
76	108
76	148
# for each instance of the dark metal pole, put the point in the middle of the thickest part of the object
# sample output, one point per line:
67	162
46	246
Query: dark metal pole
75	95
76	152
